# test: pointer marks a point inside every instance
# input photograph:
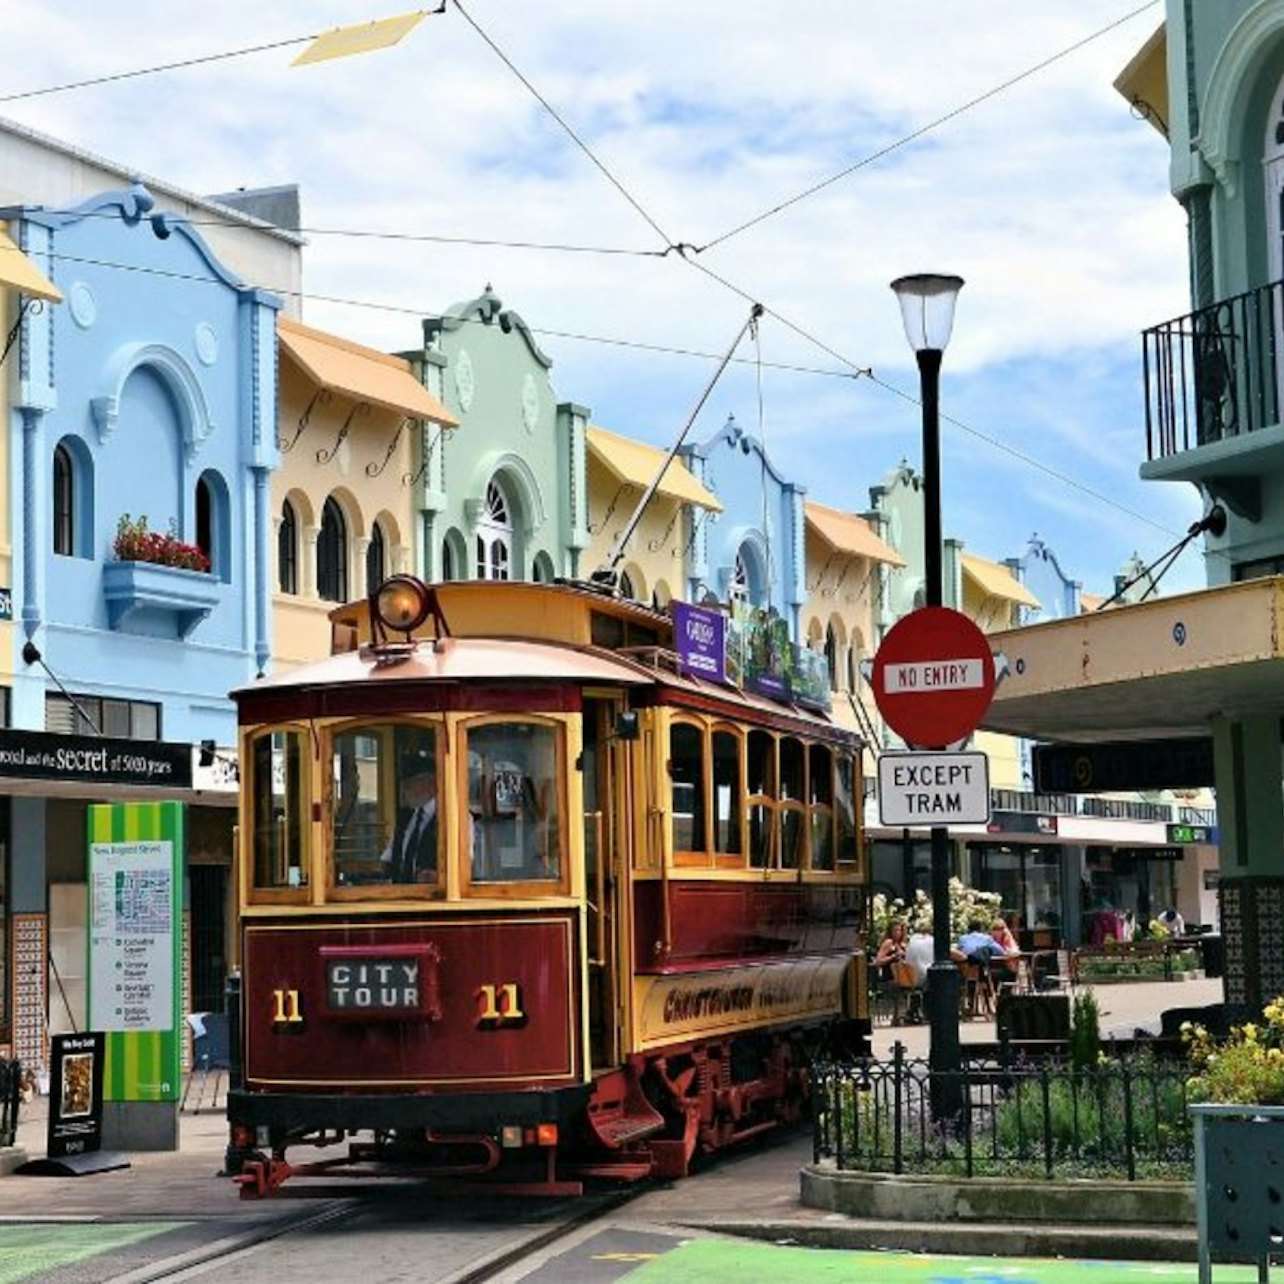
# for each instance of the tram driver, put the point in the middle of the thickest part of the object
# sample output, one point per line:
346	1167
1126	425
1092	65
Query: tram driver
411	853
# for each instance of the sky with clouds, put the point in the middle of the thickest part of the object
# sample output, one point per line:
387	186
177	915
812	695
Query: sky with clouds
1049	196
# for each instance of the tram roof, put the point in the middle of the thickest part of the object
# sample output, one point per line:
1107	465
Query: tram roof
459	660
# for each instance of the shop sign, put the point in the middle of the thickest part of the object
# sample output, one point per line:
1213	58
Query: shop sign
700	638
1021	822
99	760
6	604
1191	834
75	1125
1182	763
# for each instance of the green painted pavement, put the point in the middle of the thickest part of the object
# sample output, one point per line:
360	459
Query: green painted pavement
36	1247
710	1261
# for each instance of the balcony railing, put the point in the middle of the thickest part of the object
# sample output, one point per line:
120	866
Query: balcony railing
1214	374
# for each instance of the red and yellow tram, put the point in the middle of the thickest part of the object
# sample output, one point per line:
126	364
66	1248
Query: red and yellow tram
519	900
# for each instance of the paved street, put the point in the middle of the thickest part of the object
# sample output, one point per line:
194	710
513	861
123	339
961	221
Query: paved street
171	1211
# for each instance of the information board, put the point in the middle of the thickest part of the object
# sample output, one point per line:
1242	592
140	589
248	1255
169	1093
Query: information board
136	853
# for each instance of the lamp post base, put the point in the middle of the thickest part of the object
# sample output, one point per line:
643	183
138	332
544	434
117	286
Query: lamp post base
944	1059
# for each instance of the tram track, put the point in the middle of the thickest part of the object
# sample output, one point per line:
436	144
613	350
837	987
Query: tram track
243	1247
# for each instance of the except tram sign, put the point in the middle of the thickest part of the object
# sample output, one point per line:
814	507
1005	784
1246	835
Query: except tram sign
933	677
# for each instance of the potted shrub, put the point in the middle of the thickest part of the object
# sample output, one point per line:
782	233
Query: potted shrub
136	542
156	577
1237	1092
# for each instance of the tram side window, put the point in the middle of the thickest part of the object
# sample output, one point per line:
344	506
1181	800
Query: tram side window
820	778
727	839
686	777
514	792
280	804
845	805
760	795
384	824
793	792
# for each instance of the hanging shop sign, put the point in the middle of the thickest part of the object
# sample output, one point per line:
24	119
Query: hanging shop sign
99	760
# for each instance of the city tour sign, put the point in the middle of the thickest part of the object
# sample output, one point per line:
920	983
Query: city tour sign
933	677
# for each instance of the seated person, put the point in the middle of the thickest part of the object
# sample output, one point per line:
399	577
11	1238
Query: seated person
1001	935
919	954
891	950
411	854
976	945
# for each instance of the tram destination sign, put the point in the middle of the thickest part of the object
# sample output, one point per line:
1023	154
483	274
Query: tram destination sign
934	789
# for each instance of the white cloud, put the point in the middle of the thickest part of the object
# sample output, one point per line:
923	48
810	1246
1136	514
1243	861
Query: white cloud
1049	198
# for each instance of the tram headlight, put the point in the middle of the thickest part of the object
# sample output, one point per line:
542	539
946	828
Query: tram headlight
402	603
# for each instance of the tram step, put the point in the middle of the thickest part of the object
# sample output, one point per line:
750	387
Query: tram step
624	1129
619	1112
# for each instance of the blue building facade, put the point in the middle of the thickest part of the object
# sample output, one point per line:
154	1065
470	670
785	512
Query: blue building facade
755	550
151	394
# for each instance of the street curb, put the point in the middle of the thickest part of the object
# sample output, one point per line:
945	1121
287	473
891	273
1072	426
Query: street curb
1114	1243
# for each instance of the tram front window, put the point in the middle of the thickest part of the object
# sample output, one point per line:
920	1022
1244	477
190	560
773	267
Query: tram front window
513	798
385	816
280	810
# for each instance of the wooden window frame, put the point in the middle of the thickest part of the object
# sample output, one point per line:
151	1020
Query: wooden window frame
251	892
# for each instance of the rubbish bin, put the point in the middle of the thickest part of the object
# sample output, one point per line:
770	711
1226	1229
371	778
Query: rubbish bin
1213	949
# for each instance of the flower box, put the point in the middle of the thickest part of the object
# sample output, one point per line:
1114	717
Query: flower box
136	592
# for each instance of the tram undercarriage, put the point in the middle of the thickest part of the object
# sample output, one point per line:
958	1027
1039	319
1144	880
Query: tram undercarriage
649	1118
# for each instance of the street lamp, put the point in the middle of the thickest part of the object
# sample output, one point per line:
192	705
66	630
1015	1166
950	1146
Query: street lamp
927	308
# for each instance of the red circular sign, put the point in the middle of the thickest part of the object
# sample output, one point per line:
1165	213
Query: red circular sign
933	677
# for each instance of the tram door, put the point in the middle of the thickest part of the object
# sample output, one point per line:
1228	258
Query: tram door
603	863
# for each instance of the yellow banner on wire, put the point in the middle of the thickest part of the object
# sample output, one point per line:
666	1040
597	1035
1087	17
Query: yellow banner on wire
361	37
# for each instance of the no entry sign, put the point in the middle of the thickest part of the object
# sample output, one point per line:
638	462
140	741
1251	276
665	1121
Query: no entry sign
933	677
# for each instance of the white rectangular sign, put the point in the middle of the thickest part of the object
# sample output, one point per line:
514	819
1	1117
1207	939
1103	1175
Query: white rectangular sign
131	935
933	675
933	788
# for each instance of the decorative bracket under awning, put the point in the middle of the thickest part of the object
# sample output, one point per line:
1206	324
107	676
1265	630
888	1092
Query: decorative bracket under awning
373	470
28	304
325	456
319	398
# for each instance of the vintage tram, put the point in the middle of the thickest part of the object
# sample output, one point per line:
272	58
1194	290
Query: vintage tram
521	900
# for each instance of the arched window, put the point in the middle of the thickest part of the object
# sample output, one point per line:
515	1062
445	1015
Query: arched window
495	537
831	657
626	585
287	550
376	559
64	496
332	554
852	658
448	571
740	580
543	568
212	523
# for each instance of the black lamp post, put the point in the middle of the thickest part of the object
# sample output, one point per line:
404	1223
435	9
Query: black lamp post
927	308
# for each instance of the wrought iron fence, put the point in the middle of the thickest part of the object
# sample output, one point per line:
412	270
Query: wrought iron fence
10	1099
1123	1118
1213	374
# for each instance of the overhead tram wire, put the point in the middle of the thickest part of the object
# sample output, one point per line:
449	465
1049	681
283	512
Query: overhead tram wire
575	138
925	129
853	371
179	65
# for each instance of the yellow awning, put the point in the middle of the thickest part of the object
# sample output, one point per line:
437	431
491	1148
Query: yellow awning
359	372
19	273
361	37
634	464
1144	81
995	580
847	533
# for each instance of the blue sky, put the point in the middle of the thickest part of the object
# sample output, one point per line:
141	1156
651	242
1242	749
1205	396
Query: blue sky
1050	198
